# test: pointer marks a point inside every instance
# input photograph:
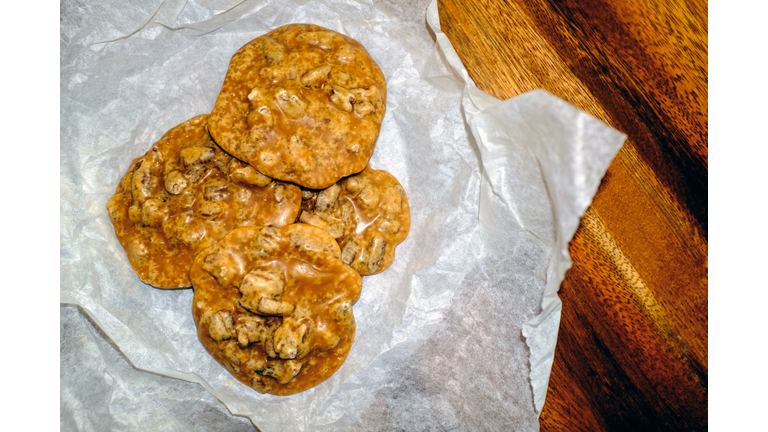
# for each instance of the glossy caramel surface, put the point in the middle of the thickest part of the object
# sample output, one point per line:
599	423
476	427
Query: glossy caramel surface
367	213
302	104
314	288
184	195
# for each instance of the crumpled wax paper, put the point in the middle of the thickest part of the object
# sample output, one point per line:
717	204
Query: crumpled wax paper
458	334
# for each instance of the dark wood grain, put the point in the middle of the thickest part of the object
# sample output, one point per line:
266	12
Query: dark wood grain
632	350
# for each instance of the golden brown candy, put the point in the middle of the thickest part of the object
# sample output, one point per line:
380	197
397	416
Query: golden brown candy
302	104
367	213
274	306
184	195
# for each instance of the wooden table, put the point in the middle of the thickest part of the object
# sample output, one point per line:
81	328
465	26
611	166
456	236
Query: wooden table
632	347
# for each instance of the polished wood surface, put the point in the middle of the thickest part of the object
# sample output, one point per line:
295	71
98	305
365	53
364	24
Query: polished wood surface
632	349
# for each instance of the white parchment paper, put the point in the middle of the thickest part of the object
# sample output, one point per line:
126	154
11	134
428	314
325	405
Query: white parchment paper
458	334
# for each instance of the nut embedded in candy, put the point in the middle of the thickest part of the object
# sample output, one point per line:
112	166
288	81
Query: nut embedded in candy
301	104
273	302
367	213
274	306
184	195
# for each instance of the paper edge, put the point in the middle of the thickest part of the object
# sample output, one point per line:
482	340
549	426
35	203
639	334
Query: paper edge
474	101
541	349
551	305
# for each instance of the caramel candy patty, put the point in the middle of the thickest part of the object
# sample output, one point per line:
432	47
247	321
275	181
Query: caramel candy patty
184	195
367	213
302	104
274	306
